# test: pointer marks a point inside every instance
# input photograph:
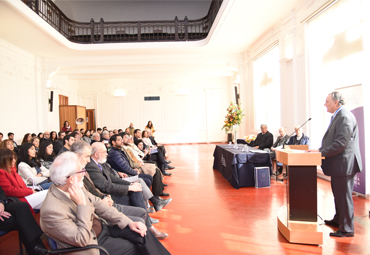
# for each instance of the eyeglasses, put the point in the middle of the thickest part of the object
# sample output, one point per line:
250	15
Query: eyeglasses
82	171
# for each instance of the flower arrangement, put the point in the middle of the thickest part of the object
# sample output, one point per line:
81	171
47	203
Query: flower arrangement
234	117
250	138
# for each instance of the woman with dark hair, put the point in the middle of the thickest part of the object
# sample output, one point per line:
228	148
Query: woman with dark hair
7	143
66	127
87	137
33	135
13	185
36	142
53	136
26	138
150	127
30	168
46	154
40	135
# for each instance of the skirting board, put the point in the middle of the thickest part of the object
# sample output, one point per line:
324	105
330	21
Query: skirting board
299	231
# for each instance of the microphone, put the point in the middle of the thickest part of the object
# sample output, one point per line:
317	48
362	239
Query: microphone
294	131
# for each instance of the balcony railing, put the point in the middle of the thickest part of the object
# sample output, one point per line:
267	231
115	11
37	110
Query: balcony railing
111	32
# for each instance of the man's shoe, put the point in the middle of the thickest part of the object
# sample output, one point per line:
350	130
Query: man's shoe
331	223
157	234
150	210
164	195
161	204
168	162
168	167
338	233
165	173
165	185
153	221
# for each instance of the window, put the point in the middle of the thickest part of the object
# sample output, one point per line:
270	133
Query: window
266	82
335	45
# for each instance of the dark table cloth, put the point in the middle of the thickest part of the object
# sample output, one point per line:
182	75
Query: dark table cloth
237	166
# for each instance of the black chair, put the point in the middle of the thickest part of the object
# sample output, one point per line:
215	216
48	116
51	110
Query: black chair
54	247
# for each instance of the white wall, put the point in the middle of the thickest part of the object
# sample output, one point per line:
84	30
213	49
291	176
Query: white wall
194	117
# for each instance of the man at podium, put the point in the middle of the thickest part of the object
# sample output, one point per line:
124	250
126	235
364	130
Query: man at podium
340	147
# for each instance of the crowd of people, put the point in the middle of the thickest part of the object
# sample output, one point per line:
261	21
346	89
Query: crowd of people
89	187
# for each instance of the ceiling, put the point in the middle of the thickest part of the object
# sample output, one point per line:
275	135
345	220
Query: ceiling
239	24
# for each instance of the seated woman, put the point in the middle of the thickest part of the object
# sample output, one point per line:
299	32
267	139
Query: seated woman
53	136
87	137
146	140
12	182
7	143
46	154
40	135
30	169
36	142
26	138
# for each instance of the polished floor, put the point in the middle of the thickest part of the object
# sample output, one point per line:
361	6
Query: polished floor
208	216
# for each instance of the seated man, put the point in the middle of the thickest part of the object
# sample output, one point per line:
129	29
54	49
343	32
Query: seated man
282	138
263	140
119	161
131	191
18	216
68	140
105	139
74	217
95	138
299	138
101	174
58	144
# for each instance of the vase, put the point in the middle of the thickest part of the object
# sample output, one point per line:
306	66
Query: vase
235	128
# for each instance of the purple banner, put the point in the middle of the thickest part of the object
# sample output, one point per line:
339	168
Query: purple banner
360	178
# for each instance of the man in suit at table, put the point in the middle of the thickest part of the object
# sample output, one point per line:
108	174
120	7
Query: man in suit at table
263	140
340	147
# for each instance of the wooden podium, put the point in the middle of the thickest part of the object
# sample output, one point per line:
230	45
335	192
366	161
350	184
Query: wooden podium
297	220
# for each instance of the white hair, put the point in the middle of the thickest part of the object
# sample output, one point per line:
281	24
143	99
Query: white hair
65	165
96	146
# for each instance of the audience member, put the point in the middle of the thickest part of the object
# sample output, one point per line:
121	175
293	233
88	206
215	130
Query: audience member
66	127
58	144
95	137
36	142
135	197
67	215
105	139
53	136
1	137
17	216
76	135
68	140
40	135
283	138
115	132
130	129
86	137
33	135
299	138
101	174
13	184
119	161
46	137
26	138
46	155
30	169
15	145
7	143
99	130
263	140
150	127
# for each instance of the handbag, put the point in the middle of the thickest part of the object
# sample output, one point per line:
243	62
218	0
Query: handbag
34	186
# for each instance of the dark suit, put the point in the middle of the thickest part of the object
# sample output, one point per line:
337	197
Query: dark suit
21	219
263	140
108	183
340	147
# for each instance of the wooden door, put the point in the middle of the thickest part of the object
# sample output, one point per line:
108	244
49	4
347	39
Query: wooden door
90	119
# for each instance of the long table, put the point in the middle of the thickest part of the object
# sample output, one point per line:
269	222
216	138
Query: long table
237	166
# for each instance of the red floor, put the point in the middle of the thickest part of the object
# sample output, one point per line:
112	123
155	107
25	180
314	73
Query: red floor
208	216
